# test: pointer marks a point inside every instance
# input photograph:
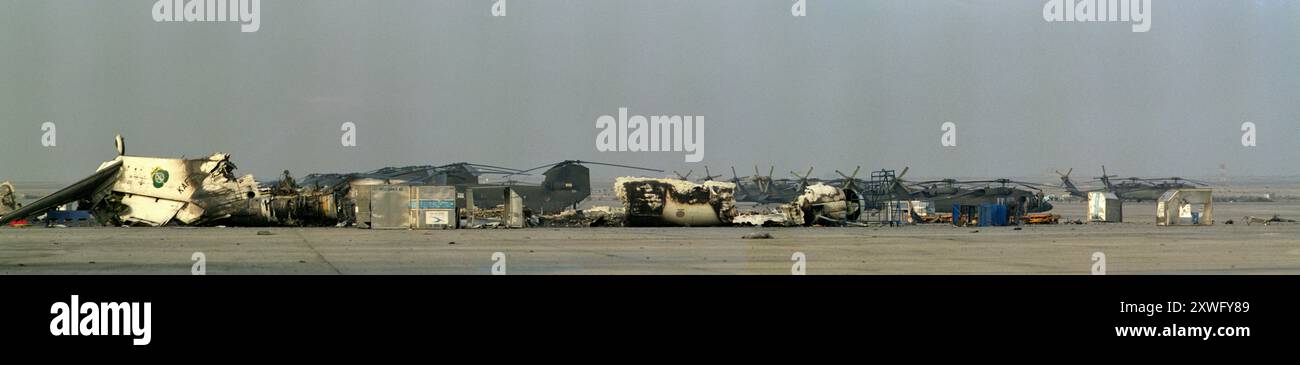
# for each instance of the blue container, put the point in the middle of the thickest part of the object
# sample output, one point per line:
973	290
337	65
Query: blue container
70	218
993	215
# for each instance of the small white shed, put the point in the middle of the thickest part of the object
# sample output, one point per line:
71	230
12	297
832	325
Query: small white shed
1185	207
1104	206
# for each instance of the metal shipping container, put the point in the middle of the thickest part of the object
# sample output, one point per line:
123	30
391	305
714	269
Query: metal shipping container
390	207
433	207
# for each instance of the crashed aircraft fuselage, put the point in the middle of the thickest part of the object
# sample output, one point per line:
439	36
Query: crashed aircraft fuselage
157	191
152	191
670	202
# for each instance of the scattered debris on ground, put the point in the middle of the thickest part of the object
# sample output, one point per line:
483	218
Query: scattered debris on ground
771	218
1266	221
936	218
605	217
1041	218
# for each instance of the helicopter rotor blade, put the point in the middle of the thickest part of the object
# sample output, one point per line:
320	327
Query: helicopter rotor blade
543	166
1066	175
489	167
580	162
1030	187
615	165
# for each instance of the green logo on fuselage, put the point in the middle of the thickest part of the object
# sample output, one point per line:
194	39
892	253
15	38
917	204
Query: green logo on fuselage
159	177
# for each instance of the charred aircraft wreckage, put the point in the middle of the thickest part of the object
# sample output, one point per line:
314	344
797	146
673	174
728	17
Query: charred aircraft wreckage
152	191
8	198
674	202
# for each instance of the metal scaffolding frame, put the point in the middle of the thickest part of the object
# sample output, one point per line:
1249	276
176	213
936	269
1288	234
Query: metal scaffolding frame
878	198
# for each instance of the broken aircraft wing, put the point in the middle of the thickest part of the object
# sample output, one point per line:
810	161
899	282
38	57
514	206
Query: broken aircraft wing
81	189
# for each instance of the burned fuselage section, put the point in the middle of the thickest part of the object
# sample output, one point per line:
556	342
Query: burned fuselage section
153	191
823	204
669	202
8	198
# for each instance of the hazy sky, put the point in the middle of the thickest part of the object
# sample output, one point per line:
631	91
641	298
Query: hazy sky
853	83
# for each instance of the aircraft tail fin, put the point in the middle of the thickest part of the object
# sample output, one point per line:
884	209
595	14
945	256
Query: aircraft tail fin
1069	185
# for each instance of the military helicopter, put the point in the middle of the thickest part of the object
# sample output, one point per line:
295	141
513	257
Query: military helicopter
1131	188
339	185
1024	197
460	173
566	184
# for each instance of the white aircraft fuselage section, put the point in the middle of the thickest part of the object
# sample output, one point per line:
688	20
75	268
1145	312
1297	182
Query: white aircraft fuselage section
158	190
